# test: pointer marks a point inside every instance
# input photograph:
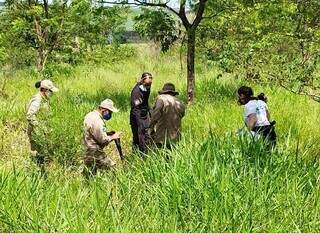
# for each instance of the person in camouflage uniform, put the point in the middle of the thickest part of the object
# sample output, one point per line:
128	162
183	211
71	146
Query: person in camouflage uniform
37	112
96	137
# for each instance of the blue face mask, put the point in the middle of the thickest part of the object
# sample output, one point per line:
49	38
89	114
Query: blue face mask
107	116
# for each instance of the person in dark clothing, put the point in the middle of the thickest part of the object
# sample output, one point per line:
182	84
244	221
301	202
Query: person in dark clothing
139	114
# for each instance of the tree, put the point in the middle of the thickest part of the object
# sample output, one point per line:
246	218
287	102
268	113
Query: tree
190	24
158	26
273	41
54	30
94	24
34	24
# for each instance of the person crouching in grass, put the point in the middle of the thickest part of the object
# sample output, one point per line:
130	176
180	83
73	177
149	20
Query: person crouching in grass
257	116
96	137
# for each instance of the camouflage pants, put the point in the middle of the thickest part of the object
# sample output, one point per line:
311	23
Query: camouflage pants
35	147
97	159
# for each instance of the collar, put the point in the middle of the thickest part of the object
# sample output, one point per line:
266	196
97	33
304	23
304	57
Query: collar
142	88
44	97
100	115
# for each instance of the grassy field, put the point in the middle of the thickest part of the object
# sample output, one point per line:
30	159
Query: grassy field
213	182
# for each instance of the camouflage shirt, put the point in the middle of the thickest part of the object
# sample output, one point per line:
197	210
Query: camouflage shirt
38	109
95	132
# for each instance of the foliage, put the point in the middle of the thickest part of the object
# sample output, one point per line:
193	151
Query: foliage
159	26
213	182
276	40
212	186
56	30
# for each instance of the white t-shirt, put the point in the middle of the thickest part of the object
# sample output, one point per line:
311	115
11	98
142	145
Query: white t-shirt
258	107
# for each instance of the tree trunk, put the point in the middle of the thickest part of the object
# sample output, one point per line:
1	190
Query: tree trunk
190	64
41	59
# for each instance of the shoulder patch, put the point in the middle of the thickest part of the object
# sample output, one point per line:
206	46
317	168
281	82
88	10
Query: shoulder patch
137	102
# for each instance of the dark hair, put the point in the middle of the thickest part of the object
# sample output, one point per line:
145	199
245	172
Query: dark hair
262	97
37	84
246	91
145	75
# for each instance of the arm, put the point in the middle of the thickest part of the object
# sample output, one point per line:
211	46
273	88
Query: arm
32	111
268	115
252	120
99	133
250	115
182	110
136	99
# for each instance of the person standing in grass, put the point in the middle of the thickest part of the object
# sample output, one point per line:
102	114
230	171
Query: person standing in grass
96	138
166	116
37	113
139	114
257	116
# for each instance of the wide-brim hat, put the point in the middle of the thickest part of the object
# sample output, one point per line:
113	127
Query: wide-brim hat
108	104
168	88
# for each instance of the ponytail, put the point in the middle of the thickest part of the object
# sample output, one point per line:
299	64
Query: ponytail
37	84
262	97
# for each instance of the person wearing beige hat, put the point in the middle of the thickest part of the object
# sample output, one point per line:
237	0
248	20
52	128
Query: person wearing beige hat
96	137
37	113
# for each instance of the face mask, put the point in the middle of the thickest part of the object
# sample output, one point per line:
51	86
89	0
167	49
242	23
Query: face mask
49	94
107	116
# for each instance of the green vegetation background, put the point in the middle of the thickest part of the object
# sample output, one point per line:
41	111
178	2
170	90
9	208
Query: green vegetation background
213	181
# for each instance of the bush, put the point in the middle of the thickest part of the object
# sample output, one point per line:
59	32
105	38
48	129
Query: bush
60	139
109	54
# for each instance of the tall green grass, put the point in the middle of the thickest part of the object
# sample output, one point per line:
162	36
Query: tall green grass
212	181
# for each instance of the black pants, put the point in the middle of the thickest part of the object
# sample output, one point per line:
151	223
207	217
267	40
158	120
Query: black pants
268	134
140	136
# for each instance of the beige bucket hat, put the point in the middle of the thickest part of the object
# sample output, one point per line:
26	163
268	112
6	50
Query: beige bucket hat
108	104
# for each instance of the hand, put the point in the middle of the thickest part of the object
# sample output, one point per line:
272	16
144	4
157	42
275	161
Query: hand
116	136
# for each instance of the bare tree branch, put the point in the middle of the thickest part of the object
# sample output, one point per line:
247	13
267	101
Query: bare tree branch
140	3
301	92
281	81
182	14
202	6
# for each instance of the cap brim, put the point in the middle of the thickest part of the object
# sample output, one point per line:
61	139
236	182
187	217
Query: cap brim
54	89
112	109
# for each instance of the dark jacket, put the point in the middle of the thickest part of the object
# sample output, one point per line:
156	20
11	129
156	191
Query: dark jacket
139	106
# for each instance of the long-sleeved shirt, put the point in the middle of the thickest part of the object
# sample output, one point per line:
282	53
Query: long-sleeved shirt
139	106
95	132
166	118
36	108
